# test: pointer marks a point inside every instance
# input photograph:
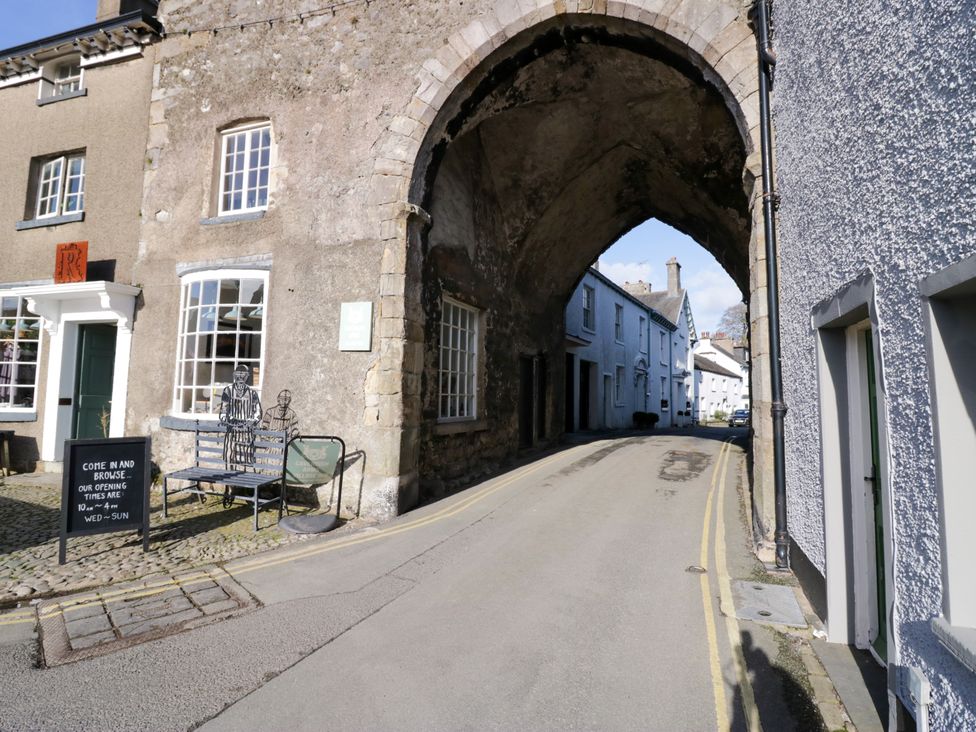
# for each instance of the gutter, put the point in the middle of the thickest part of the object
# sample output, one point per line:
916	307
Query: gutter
118	22
767	60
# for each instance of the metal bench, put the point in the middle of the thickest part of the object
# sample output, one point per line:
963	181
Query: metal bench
268	469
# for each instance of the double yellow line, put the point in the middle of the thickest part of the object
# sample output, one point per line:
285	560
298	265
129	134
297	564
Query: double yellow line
716	494
272	560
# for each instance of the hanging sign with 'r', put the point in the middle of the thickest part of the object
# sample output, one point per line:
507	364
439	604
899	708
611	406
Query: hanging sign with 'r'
71	264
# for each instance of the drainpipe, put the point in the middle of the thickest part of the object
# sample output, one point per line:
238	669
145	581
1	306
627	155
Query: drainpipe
767	60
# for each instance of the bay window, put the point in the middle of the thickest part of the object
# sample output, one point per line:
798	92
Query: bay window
20	345
223	317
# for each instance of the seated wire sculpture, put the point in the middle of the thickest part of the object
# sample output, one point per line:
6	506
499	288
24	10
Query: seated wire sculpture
281	417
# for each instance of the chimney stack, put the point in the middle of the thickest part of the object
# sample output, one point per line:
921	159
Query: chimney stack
108	9
637	288
674	276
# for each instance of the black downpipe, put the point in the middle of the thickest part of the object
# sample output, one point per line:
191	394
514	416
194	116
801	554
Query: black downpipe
767	59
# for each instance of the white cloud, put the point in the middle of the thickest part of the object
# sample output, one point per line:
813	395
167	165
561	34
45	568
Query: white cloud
712	292
621	272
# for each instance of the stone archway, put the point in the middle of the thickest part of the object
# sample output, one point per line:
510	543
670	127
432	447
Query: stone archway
698	59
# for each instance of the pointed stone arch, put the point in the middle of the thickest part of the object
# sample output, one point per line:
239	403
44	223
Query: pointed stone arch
713	36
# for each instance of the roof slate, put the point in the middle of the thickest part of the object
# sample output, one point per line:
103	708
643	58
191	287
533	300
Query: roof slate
704	364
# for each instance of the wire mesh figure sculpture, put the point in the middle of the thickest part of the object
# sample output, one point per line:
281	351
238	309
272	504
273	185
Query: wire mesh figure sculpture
240	413
281	417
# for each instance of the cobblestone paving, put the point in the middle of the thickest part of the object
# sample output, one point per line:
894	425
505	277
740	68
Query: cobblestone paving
195	534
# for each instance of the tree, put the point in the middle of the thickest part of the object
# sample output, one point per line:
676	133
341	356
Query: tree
735	323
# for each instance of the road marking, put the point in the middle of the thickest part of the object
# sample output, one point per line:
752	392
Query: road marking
727	607
262	563
718	682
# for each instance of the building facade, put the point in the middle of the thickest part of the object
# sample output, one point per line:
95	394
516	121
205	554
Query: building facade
675	305
876	289
722	352
618	357
718	390
74	127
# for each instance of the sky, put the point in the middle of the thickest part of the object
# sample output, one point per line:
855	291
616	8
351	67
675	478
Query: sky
641	255
21	22
638	255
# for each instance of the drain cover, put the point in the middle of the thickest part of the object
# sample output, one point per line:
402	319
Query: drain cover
309	524
767	604
91	624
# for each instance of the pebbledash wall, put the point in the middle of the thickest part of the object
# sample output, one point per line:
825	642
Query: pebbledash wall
875	128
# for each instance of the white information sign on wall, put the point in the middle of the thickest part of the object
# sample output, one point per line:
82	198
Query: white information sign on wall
356	326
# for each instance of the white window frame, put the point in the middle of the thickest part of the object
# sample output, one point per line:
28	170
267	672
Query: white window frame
664	346
665	394
60	82
6	408
591	310
642	343
619	377
471	372
618	322
215	387
245	131
61	180
50	84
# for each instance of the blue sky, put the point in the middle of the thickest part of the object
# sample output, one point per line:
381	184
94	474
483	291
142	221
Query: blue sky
21	21
641	255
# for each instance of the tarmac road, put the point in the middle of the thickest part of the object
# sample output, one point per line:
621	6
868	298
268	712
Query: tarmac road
556	597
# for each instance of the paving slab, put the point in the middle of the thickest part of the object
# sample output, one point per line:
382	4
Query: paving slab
859	681
765	603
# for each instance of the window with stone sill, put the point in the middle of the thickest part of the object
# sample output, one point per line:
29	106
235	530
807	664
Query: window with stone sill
245	165
20	348
62	77
458	366
223	324
618	323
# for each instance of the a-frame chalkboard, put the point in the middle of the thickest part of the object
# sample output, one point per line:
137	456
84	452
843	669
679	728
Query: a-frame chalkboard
105	488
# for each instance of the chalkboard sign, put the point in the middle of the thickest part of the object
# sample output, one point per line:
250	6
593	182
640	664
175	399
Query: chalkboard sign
105	488
312	460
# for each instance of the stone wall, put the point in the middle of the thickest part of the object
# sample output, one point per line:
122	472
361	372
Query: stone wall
361	102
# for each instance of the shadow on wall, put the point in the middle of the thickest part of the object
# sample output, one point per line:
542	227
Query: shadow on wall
324	495
24	454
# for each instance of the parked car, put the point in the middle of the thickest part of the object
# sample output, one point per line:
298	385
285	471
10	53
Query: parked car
739	418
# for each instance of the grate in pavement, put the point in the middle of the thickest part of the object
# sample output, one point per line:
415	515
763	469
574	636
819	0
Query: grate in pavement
91	624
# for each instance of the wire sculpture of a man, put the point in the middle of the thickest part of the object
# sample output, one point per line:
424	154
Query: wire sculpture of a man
240	413
281	417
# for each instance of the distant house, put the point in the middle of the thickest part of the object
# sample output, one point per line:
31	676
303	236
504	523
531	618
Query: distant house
677	381
722	351
718	390
618	356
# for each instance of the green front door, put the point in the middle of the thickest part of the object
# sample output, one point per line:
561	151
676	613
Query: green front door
880	643
93	381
